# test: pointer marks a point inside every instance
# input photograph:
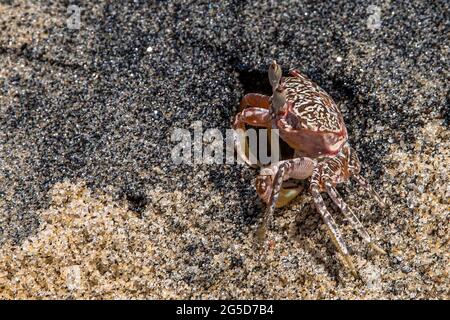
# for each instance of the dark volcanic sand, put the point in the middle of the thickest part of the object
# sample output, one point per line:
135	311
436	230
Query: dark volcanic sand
92	206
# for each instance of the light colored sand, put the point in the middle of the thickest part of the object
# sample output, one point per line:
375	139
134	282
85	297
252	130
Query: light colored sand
90	246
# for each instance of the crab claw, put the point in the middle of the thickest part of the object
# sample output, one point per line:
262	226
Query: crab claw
263	185
274	75
242	148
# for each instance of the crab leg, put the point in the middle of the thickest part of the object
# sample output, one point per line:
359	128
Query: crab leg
354	168
332	226
267	218
351	217
366	186
295	73
298	168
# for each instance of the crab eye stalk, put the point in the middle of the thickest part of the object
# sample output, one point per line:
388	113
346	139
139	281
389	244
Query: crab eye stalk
274	75
278	98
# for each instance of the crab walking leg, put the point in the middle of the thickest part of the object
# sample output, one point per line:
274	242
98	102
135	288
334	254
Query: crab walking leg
298	168
295	73
332	227
366	186
351	217
277	182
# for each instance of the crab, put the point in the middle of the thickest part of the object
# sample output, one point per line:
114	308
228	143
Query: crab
310	122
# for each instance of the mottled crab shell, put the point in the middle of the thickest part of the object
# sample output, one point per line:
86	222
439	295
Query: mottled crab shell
311	123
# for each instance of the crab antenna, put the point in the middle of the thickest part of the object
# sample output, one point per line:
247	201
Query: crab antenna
274	75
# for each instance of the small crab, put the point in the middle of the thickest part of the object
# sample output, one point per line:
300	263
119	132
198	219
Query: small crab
310	122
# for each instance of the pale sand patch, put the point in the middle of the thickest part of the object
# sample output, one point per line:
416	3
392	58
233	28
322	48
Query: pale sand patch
91	246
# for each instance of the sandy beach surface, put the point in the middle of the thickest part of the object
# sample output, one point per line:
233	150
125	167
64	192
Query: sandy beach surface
93	207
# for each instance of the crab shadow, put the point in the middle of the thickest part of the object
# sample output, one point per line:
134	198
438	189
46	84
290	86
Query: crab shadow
308	223
305	226
254	81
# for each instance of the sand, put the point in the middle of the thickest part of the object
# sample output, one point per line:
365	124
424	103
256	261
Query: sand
92	206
